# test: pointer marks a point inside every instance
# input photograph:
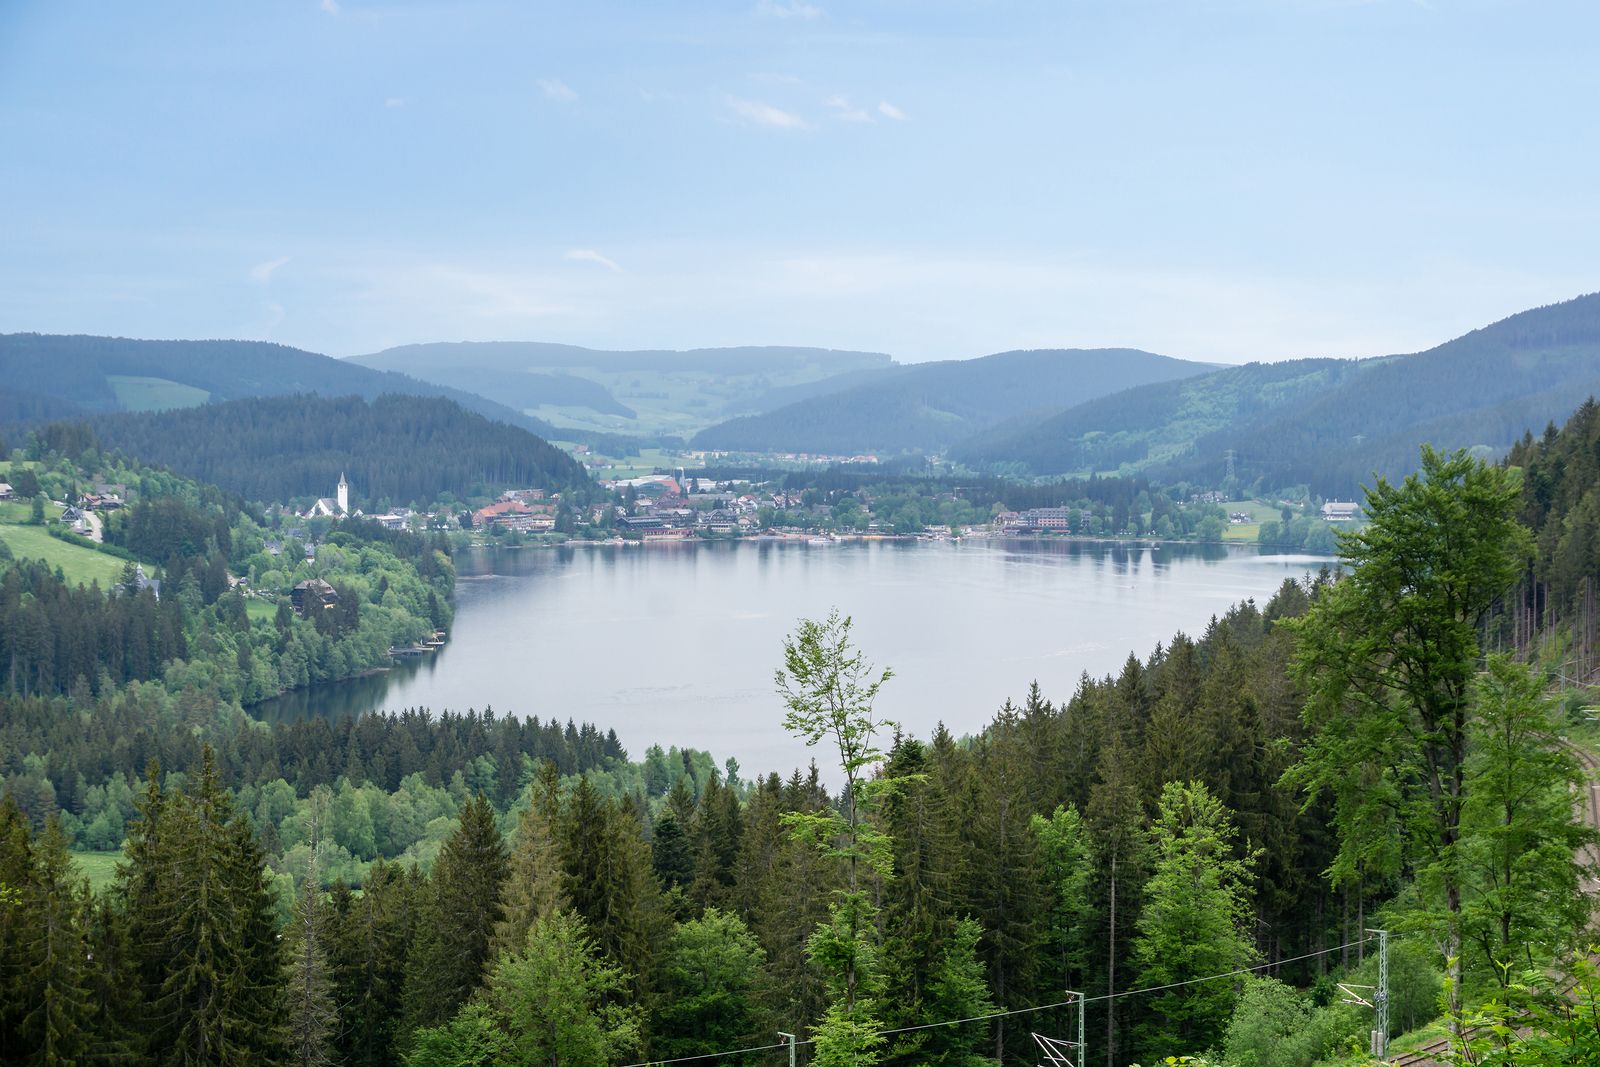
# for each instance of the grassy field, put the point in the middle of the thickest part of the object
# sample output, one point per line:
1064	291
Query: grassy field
259	610
154	394
99	867
1259	513
645	461
79	564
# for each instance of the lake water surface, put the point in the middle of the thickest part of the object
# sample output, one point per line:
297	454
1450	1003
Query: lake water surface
677	644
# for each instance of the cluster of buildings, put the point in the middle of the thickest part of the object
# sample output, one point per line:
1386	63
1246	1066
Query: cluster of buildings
524	510
1035	519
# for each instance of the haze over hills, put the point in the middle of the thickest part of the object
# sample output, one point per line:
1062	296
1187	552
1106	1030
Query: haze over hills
645	392
930	406
1326	423
47	376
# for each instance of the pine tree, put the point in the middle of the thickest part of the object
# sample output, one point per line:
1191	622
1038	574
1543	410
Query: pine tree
558	1001
918	904
533	887
610	882
312	1017
457	921
59	1027
202	919
16	878
1003	889
958	991
371	938
1115	817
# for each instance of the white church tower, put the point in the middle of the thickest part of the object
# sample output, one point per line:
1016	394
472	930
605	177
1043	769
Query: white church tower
344	495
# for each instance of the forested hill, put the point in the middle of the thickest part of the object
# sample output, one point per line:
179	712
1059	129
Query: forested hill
1326	423
929	406
645	392
401	449
79	374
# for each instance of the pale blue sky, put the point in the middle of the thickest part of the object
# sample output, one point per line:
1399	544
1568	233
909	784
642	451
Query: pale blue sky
1216	179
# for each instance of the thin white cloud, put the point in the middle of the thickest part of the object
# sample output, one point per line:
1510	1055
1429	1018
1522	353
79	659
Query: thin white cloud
331	6
395	101
760	114
589	255
262	273
845	111
556	89
889	111
789	9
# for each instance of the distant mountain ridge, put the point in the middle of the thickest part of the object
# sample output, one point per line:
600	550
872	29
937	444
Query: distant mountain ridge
931	406
63	375
1329	424
640	392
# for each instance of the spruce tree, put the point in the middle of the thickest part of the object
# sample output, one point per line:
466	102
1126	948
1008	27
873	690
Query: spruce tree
533	887
370	941
312	1017
59	1027
16	878
457	922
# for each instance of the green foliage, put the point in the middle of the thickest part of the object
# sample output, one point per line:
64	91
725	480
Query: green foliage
1321	422
1267	1025
1388	657
1195	920
461	907
202	927
708	985
558	1001
1536	1021
1521	836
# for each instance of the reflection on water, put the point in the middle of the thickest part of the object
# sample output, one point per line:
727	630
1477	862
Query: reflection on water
677	644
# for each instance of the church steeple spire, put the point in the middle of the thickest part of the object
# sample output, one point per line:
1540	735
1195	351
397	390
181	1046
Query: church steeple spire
344	494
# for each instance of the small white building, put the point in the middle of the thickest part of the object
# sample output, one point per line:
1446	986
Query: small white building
1340	511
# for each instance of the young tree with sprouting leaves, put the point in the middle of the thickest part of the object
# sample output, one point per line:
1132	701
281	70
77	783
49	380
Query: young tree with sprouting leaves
829	687
1522	837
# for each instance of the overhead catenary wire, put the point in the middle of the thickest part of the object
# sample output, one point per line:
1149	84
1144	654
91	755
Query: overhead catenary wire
1020	1011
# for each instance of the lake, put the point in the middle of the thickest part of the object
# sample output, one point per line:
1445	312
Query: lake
677	644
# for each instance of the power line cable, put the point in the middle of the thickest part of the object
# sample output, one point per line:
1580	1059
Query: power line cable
1021	1011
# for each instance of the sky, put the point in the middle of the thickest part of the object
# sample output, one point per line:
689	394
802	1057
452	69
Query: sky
1227	180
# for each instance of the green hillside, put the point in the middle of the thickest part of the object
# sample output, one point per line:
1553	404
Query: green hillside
930	406
647	392
61	375
1325	423
398	448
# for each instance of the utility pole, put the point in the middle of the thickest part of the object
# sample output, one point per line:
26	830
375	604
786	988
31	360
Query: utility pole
1380	998
789	1039
1055	1050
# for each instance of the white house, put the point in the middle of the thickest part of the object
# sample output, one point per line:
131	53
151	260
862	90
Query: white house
1339	511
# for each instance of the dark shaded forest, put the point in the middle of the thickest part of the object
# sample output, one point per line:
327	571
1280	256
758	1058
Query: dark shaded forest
398	449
